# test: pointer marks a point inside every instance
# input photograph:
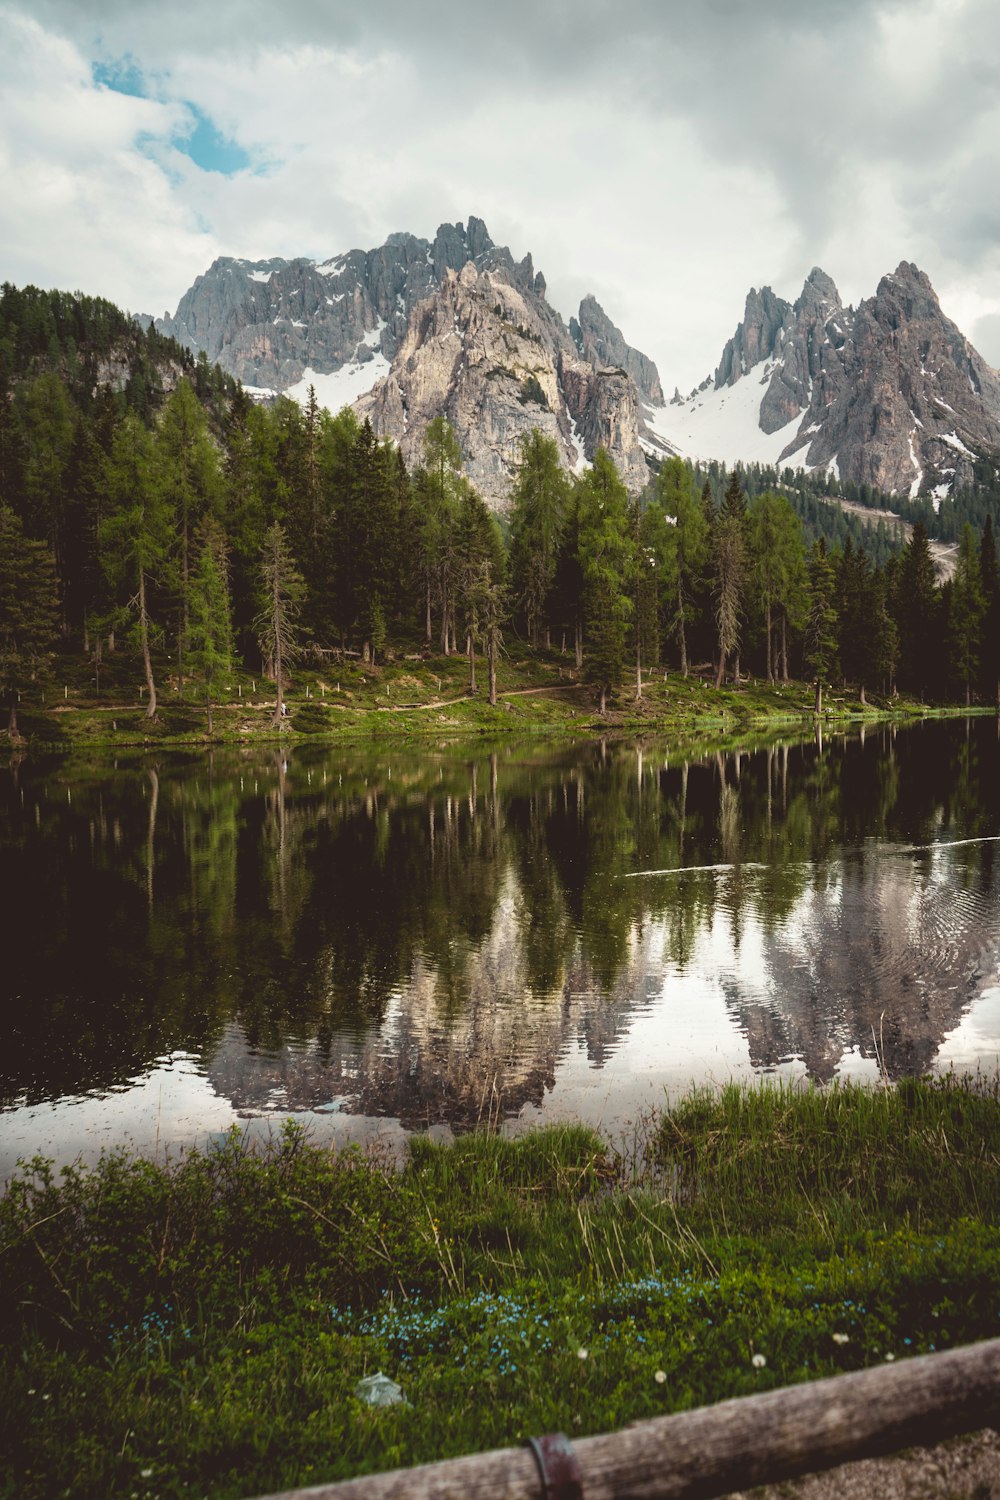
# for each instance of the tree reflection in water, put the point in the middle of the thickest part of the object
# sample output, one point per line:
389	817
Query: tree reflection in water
429	936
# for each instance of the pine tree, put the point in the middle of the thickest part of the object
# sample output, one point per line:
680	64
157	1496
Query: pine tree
29	609
189	476
606	563
968	608
687	550
821	623
917	613
210	630
282	591
989	577
538	510
136	534
729	560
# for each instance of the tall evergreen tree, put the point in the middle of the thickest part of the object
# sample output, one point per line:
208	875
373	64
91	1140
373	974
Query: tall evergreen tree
29	609
210	627
136	535
968	609
538	510
729	565
687	550
989	577
282	591
821	623
189	476
917	613
606	564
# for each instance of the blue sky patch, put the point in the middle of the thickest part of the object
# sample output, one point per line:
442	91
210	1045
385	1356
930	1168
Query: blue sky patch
205	144
122	75
209	149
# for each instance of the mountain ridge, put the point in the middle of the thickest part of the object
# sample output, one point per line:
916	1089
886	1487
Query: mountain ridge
416	329
890	394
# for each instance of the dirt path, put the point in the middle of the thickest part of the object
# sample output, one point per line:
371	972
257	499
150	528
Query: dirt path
966	1468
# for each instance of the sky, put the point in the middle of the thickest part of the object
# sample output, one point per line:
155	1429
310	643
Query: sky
665	155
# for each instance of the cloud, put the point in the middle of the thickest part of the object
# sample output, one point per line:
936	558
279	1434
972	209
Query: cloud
664	156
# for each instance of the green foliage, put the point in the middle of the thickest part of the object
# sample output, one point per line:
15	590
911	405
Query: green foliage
28	608
204	1323
606	562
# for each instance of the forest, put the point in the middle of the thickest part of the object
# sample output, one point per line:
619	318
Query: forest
148	506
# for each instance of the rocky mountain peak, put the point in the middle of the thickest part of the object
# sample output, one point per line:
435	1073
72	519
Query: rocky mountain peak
818	290
485	350
755	338
889	394
462	329
599	341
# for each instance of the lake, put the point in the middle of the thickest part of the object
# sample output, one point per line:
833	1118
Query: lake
431	937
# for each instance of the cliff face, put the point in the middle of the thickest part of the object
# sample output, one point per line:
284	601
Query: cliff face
891	393
466	330
486	351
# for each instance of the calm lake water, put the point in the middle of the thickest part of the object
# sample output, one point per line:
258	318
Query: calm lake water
378	942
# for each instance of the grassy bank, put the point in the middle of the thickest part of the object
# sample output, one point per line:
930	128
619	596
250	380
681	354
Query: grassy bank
408	697
200	1327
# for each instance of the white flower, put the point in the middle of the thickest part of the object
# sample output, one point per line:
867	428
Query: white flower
758	1361
581	1354
660	1376
841	1338
889	1358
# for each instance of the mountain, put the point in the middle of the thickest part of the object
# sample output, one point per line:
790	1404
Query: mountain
417	329
889	394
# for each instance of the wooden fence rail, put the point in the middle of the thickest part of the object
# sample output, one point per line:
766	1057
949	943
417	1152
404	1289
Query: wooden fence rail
736	1444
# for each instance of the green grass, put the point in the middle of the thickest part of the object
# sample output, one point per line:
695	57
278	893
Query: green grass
200	1326
408	697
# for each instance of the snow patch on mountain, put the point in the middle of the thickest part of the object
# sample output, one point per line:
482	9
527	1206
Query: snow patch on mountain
721	424
344	386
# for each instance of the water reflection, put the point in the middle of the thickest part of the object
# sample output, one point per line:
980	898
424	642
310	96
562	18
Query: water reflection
440	938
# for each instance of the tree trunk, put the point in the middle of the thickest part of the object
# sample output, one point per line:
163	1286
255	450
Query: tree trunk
491	662
721	669
863	702
208	707
819	696
578	643
681	632
638	668
770	654
784	645
144	637
472	662
736	671
12	728
428	631
603	699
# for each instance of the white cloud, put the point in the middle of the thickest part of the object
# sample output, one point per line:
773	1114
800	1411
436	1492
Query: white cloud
665	157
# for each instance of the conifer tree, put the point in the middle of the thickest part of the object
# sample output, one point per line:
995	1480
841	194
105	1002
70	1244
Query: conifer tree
189	476
136	534
210	637
968	608
606	562
821	622
989	577
686	551
282	591
538	510
29	609
729	562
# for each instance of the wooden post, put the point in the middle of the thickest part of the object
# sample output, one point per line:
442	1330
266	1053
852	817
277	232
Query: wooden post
764	1439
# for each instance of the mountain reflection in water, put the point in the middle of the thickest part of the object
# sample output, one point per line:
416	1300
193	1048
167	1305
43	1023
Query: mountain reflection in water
441	938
